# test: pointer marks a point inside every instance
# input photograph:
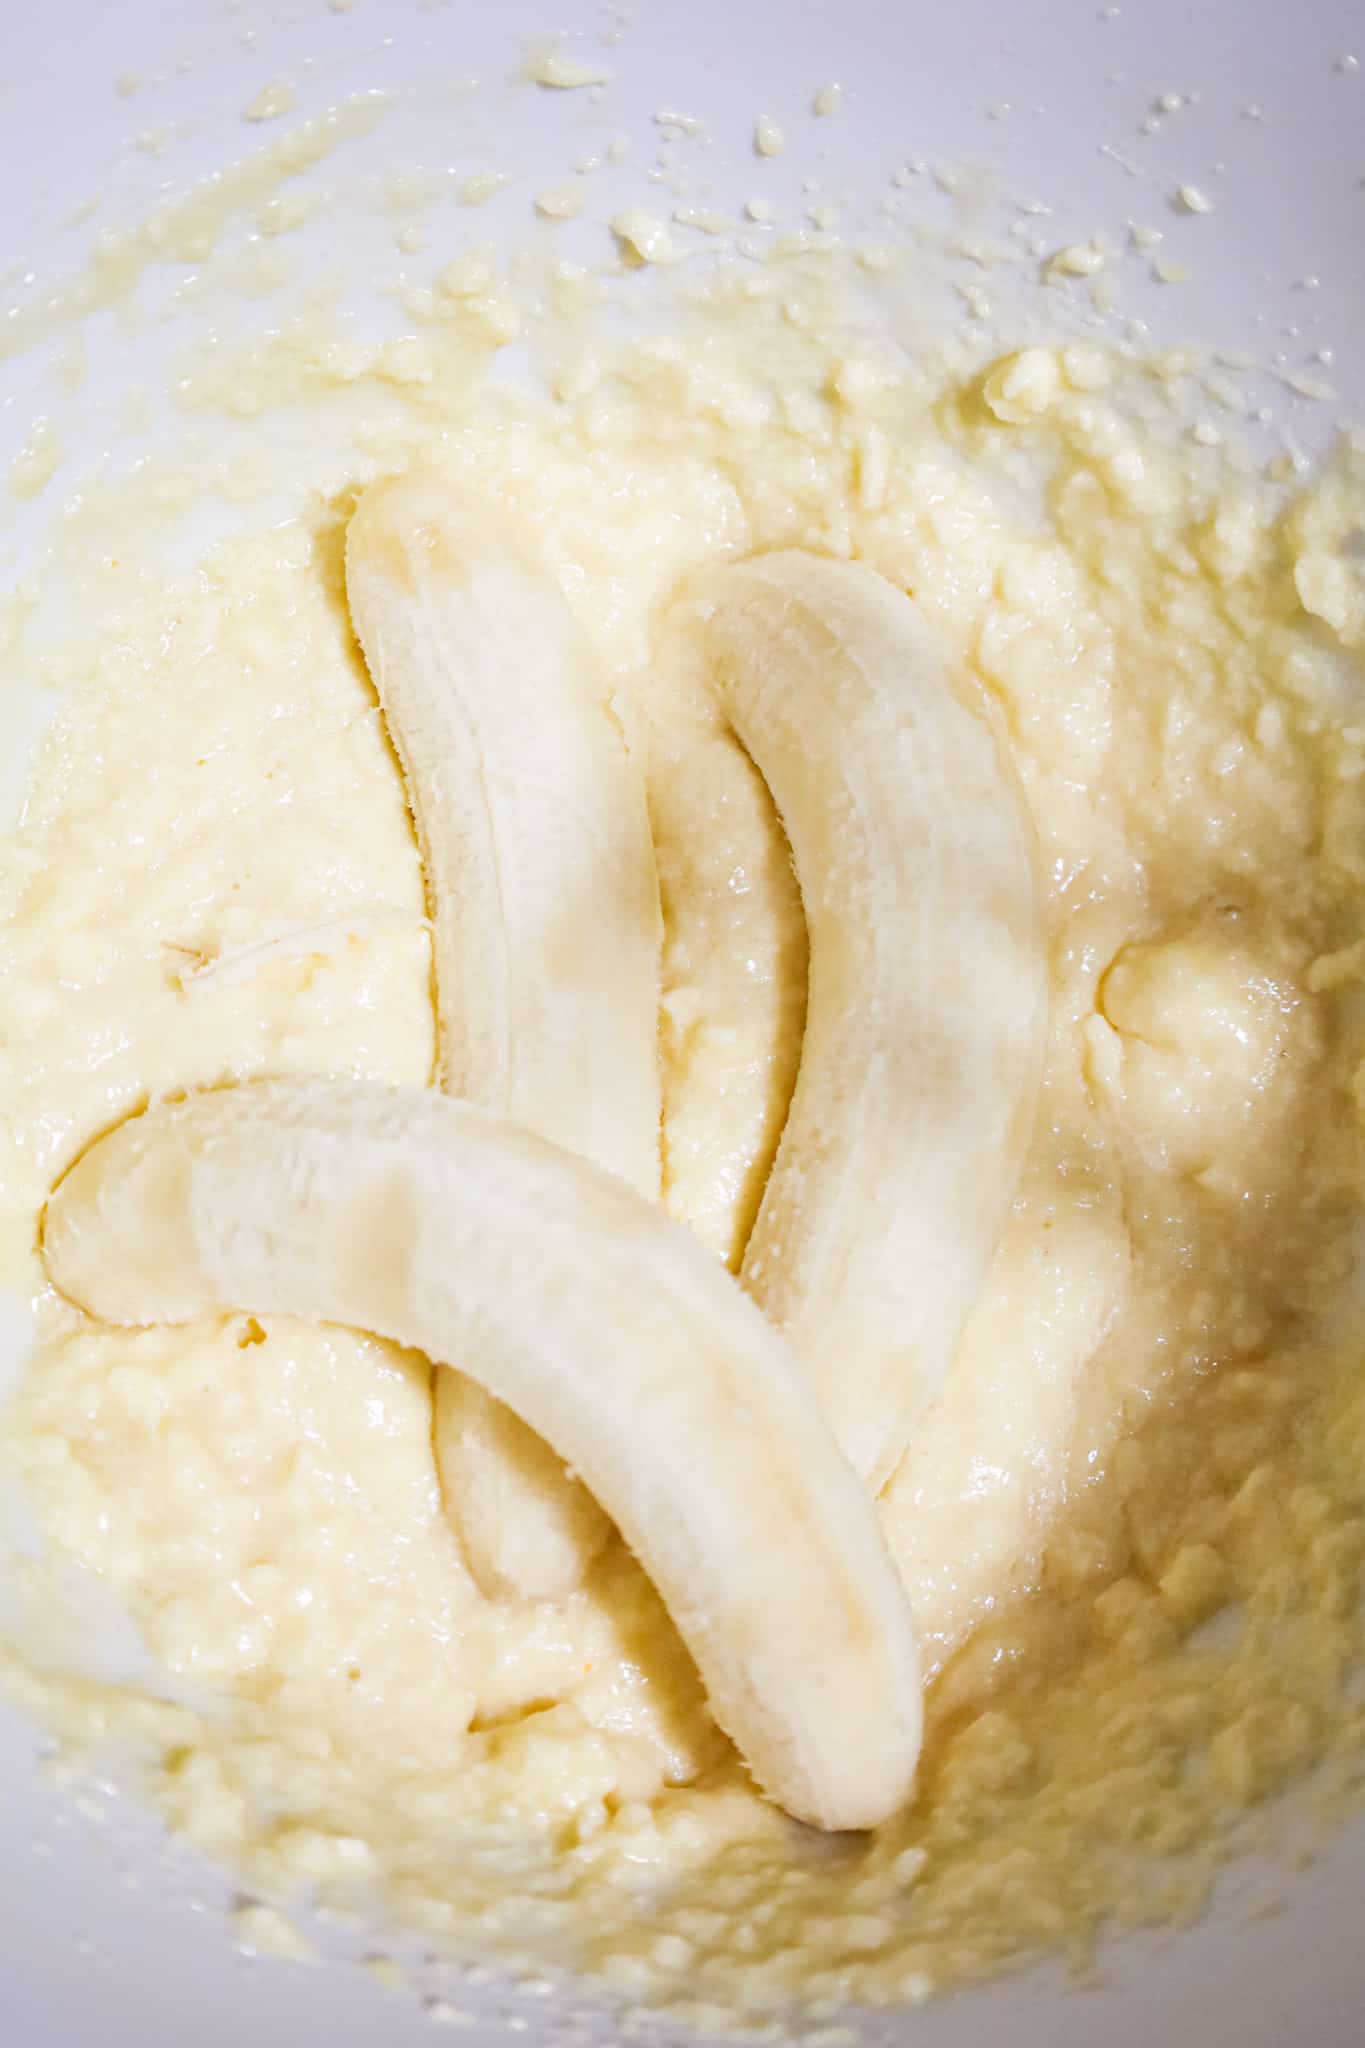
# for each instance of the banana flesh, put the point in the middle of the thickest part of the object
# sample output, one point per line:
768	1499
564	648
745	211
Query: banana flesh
532	827
612	1331
927	1005
528	1528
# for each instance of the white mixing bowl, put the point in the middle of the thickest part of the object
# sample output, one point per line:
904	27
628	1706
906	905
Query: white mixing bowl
107	1937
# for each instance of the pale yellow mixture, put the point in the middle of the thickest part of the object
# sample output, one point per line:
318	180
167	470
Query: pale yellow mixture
1156	1416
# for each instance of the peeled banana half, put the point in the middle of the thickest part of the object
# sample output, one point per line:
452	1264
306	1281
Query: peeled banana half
927	1005
532	826
618	1337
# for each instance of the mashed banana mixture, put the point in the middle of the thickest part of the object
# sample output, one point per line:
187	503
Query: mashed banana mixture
1133	1524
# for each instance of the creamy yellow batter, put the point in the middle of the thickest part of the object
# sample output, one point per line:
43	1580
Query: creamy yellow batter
1154	1418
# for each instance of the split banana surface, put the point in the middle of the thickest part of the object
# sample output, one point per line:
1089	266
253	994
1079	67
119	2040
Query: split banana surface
618	1336
533	831
927	1003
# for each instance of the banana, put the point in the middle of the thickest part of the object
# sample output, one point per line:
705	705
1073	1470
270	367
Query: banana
927	1004
620	1339
528	1528
532	826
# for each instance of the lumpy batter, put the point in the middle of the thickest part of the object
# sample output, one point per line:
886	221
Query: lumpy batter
1154	1418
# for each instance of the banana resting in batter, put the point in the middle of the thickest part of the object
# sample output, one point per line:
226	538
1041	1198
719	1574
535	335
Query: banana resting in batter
606	1329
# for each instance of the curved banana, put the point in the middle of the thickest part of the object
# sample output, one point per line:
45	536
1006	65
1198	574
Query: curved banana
927	1004
532	827
621	1340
